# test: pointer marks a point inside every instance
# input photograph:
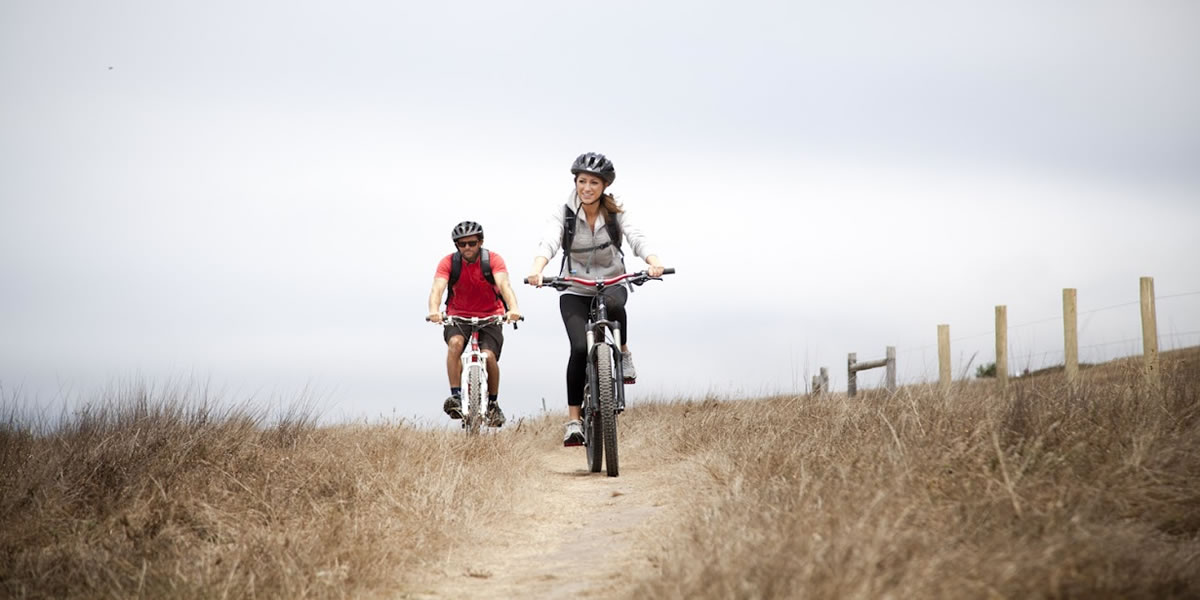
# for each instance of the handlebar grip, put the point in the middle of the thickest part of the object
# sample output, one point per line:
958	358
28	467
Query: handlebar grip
669	271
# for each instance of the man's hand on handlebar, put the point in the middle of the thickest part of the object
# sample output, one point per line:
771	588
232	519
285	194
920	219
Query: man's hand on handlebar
513	316
434	317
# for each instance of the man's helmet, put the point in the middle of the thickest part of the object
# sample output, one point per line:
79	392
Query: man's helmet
466	229
596	164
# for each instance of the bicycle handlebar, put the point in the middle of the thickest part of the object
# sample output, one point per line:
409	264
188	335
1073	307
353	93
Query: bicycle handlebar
449	320
635	278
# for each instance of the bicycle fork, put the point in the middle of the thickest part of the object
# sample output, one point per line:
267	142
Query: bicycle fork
614	346
471	358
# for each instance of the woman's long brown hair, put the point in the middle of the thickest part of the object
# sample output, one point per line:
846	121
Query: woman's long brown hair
611	206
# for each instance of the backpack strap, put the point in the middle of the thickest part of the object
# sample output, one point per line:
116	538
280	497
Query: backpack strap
485	260
455	273
567	237
614	234
610	224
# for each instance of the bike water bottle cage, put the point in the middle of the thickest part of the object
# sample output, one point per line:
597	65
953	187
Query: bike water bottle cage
569	221
485	265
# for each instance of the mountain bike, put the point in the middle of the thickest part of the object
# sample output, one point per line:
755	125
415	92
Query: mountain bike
604	390
474	367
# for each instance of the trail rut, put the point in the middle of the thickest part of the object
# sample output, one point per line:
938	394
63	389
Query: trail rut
573	533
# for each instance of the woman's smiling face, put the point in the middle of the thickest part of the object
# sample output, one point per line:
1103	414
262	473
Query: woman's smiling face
589	187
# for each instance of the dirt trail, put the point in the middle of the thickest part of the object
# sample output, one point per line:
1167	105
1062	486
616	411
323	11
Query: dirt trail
567	519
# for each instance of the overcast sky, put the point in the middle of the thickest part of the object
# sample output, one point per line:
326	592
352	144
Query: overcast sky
254	195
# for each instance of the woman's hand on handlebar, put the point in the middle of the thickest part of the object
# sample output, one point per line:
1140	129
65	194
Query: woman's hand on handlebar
534	279
655	270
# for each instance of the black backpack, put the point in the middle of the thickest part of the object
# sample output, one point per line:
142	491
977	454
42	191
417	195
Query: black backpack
485	266
610	224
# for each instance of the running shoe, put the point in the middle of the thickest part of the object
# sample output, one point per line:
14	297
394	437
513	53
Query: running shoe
627	368
453	407
574	435
495	416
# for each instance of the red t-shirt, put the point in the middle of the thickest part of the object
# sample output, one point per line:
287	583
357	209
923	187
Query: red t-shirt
473	295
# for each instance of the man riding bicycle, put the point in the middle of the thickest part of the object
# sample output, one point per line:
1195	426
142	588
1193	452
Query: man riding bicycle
478	285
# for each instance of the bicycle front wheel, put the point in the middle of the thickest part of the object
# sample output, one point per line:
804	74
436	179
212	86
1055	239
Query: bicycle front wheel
474	414
608	408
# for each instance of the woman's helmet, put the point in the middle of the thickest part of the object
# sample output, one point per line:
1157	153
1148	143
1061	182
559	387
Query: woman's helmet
596	164
466	229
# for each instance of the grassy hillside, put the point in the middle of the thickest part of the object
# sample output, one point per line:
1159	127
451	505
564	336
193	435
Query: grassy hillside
1043	491
155	498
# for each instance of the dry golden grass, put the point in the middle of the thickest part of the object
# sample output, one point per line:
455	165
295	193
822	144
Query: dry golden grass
1041	492
152	497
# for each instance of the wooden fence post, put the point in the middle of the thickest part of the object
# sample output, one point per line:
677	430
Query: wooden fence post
851	375
944	356
820	383
1002	345
1149	330
891	368
1070	336
853	367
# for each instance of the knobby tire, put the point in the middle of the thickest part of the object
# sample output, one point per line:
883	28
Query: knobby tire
608	409
474	416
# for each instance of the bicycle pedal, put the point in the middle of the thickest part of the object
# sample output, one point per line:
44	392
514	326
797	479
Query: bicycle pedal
572	443
629	381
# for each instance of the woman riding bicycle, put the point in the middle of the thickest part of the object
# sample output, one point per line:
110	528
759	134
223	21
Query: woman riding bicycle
592	224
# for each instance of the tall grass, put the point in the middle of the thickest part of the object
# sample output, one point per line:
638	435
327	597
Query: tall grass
1042	492
161	496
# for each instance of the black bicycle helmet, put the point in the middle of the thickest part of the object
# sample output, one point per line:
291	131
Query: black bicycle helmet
466	229
596	164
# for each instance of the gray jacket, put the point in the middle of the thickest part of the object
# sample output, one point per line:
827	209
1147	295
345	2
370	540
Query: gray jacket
588	261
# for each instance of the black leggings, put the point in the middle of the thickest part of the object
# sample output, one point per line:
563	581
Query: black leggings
575	314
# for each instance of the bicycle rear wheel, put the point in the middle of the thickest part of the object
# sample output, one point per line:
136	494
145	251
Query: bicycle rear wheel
608	408
473	417
594	435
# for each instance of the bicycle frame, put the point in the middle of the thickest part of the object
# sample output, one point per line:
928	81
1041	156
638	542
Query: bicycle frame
474	379
599	327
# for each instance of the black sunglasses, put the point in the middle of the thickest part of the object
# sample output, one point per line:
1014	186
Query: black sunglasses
467	244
